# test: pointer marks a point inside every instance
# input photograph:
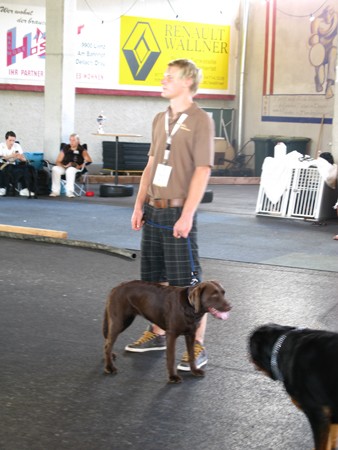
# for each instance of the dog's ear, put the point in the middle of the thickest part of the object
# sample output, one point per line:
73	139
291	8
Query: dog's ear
217	284
194	297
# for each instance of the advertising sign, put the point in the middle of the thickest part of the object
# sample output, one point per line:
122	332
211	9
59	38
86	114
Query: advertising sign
129	54
147	45
22	45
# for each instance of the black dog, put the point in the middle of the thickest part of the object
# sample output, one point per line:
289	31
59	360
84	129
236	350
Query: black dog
178	310
306	361
31	180
24	173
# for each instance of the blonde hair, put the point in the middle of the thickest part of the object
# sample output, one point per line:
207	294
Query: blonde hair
188	70
76	136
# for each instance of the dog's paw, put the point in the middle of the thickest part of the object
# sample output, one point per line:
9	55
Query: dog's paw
198	372
175	379
110	370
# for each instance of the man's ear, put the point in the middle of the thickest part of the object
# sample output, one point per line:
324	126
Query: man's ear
188	82
194	297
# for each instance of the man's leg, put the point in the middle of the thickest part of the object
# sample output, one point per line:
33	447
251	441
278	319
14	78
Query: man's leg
3	183
200	332
9	178
159	250
19	179
152	269
155	328
70	181
57	171
180	263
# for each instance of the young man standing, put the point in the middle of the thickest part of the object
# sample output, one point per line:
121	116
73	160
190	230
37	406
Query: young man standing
171	188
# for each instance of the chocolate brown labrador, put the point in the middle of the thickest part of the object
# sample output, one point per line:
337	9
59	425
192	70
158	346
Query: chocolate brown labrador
177	310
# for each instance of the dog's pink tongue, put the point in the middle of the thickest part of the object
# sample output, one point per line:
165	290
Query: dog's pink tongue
223	315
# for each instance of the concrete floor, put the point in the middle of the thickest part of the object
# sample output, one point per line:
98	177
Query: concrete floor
228	227
54	394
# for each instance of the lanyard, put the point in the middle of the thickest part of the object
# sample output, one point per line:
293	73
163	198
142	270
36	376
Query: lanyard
177	125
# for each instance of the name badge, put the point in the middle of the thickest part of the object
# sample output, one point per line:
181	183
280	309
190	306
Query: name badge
162	175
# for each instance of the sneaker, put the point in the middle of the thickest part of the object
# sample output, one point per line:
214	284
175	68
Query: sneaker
71	195
201	358
24	192
148	342
54	194
2	192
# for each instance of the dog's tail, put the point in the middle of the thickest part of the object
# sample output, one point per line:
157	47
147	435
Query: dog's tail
105	324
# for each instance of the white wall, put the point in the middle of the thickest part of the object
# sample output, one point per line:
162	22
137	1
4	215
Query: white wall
254	88
124	115
24	111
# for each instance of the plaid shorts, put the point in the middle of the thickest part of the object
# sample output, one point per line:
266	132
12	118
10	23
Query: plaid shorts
163	257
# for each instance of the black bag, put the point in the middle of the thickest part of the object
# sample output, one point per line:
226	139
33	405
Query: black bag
31	178
43	182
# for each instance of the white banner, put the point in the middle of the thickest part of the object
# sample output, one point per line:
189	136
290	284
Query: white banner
102	60
22	44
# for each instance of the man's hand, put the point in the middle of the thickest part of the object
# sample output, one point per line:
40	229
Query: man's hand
197	188
137	221
183	226
19	156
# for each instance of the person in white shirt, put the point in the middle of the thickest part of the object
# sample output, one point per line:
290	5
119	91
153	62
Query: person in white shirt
69	162
11	154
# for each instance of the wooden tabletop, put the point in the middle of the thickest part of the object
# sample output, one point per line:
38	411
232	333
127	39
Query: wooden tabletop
117	134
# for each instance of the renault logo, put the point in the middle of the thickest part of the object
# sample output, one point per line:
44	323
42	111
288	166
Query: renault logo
141	50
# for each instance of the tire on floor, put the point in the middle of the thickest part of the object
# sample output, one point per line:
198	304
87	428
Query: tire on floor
116	190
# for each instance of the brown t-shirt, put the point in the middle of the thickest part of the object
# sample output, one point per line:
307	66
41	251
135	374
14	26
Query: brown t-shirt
191	146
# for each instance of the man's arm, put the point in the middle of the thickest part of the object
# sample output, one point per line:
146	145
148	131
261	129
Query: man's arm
136	219
87	157
59	159
15	153
19	152
197	188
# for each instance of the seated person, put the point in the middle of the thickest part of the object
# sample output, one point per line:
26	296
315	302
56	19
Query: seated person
13	165
3	179
70	160
329	158
336	208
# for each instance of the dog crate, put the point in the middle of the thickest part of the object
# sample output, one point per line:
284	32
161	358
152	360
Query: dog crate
310	197
306	196
265	206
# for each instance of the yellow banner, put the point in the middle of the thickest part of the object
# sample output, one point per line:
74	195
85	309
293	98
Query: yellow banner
147	45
